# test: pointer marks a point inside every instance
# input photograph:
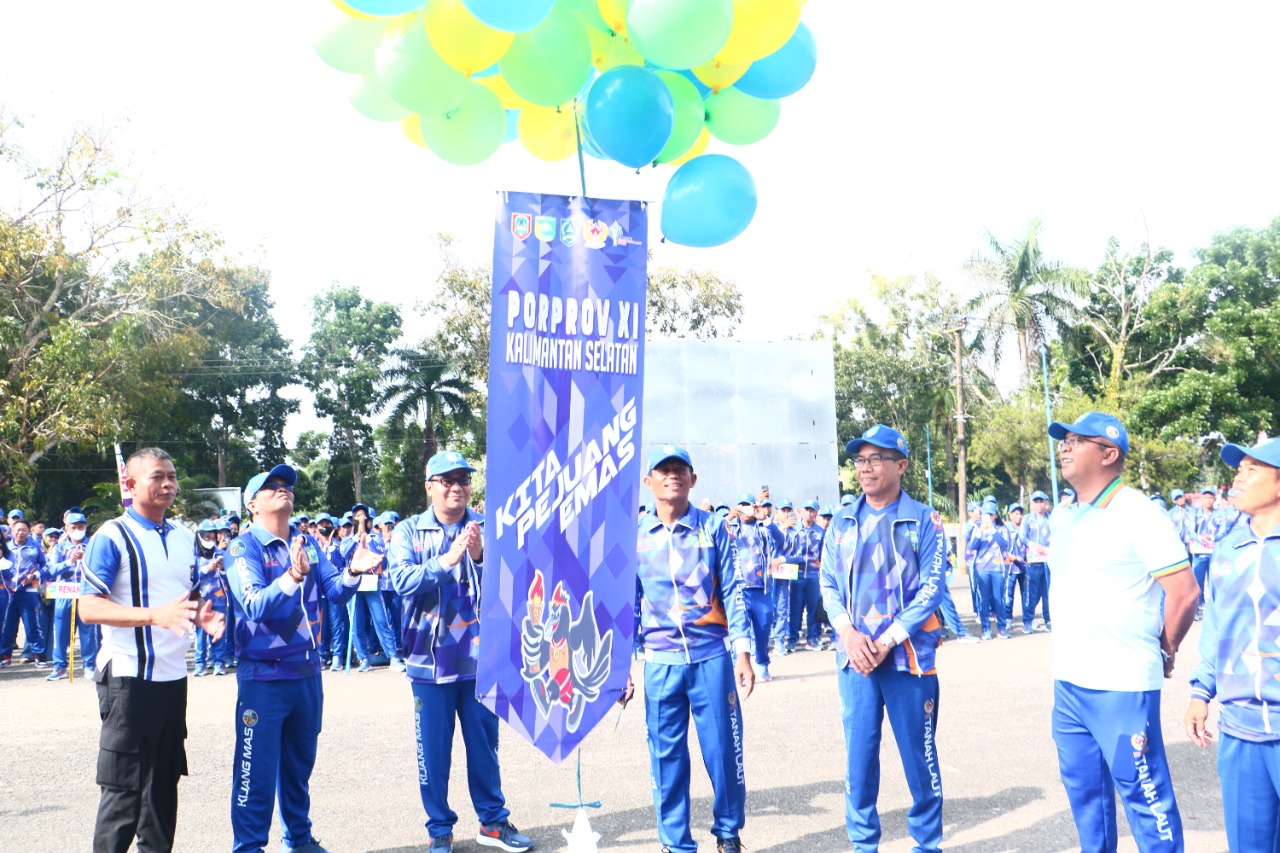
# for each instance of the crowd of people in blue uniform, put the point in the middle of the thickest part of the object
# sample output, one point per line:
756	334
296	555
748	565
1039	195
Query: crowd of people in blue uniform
721	589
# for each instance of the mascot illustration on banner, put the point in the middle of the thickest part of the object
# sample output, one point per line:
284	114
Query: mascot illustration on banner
566	661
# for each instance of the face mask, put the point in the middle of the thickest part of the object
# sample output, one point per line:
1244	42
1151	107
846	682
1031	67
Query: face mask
75	535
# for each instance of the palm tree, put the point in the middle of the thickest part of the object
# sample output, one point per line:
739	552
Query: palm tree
1024	293
422	386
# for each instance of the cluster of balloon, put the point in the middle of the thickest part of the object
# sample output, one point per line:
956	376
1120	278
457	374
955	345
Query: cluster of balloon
640	82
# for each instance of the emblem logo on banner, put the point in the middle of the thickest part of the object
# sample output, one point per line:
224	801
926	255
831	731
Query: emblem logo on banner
557	609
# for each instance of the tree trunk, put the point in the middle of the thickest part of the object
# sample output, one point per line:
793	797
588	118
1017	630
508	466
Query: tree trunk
948	445
357	476
430	446
222	459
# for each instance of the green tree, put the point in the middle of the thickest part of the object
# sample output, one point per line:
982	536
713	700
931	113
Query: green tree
343	362
421	387
97	287
1023	293
400	470
691	304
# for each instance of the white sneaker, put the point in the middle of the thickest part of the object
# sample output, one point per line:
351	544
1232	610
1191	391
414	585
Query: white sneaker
968	638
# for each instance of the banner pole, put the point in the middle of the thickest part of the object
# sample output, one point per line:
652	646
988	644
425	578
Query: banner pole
577	134
71	647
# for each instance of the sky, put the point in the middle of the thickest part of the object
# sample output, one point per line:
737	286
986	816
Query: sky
926	126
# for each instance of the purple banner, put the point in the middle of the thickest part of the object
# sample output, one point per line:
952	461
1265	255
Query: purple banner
561	484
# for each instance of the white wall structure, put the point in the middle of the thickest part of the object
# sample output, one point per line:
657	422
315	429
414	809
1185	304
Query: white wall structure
751	413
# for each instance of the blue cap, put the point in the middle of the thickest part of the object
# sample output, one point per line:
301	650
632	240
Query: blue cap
811	505
884	437
847	499
446	461
207	526
324	516
71	510
765	502
722	506
52	531
1267	452
1156	499
1094	425
973	505
1066	491
1038	495
746	498
75	518
668	451
346	519
786	505
222	524
1209	490
232	518
393	515
15	513
284	472
989	505
1017	506
1177	493
368	510
304	517
827	511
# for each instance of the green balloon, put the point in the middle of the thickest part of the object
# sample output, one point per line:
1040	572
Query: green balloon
470	133
413	73
688	113
679	34
348	45
588	12
740	119
548	65
368	96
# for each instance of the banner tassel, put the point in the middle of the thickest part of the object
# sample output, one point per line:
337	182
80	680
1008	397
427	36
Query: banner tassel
595	804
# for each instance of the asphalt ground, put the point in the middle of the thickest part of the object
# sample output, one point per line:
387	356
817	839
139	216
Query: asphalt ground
999	765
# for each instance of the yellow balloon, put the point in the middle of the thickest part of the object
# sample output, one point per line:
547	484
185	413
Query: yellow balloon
695	150
461	40
609	50
497	84
548	133
760	27
411	127
717	75
614	13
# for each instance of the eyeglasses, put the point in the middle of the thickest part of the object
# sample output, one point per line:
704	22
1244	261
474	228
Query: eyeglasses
275	487
874	461
1071	441
450	482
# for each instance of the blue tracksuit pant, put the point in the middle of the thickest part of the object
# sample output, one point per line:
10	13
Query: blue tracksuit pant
781	611
210	652
391	603
805	597
912	704
337	627
1111	741
1014	583
991	601
1250	776
277	726
371	623
435	707
950	615
89	637
23	607
1200	568
760	614
707	690
1037	592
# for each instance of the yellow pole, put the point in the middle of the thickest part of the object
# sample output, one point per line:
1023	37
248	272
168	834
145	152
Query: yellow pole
71	647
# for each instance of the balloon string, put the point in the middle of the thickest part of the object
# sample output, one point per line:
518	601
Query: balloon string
582	169
579	803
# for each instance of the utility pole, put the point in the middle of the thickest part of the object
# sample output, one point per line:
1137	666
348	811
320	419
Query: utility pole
956	327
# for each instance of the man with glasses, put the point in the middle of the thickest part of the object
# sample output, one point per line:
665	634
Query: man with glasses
1243	593
882	581
275	577
1114	557
435	564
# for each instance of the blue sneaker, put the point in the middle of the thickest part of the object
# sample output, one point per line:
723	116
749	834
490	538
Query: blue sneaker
441	844
504	836
199	673
398	665
57	675
312	846
364	666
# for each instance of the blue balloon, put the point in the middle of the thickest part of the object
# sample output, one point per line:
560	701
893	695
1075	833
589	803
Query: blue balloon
589	146
708	201
783	72
630	114
513	116
385	8
513	16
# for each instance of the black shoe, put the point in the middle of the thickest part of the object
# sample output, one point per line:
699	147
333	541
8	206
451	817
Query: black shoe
729	845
